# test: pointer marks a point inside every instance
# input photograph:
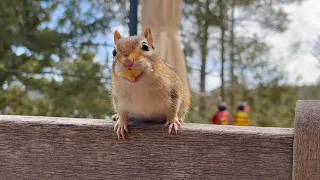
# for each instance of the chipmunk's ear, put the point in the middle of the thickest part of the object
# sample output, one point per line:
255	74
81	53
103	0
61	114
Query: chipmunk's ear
117	36
147	34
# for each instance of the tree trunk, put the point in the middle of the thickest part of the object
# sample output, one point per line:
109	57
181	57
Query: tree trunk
222	40
232	78
204	53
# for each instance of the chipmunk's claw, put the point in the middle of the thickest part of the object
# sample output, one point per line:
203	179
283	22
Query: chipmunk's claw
115	117
175	124
121	129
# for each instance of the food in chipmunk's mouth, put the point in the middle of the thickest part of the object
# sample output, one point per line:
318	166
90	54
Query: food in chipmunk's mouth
131	74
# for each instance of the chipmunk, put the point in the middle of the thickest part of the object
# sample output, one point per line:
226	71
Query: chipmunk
144	85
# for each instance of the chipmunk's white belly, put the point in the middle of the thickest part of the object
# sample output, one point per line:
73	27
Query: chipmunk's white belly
142	101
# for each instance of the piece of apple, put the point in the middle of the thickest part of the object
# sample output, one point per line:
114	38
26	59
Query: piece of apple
131	74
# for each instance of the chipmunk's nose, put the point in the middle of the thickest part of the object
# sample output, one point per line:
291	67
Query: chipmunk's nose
127	63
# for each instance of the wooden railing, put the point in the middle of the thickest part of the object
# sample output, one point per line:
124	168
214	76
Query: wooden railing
65	148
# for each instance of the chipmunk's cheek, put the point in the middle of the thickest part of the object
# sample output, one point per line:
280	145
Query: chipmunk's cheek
146	66
117	70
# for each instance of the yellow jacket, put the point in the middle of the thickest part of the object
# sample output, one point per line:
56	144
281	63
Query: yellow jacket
241	119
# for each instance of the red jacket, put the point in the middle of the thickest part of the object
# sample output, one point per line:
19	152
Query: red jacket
222	118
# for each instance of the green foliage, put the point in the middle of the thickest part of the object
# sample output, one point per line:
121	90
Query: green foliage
47	65
310	92
273	105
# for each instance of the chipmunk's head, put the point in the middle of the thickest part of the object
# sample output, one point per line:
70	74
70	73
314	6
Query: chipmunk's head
132	56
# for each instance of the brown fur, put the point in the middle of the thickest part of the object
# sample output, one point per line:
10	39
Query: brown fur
159	84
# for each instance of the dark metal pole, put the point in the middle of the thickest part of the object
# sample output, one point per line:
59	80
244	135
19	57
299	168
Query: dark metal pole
133	16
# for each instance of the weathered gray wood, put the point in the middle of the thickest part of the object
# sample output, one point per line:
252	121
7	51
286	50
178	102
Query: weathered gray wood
306	156
60	148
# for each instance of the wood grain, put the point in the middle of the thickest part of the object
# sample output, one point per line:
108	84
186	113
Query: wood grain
307	141
61	148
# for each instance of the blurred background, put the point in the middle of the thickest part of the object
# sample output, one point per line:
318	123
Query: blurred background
56	55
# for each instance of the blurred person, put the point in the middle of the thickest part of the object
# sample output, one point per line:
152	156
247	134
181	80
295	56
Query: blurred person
242	117
222	117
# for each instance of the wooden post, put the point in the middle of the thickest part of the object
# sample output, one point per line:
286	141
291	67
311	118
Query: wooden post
306	150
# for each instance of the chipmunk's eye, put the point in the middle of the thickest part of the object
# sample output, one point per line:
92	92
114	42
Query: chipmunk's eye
114	52
145	47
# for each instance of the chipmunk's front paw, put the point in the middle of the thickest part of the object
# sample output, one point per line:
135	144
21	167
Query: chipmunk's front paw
121	127
173	123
